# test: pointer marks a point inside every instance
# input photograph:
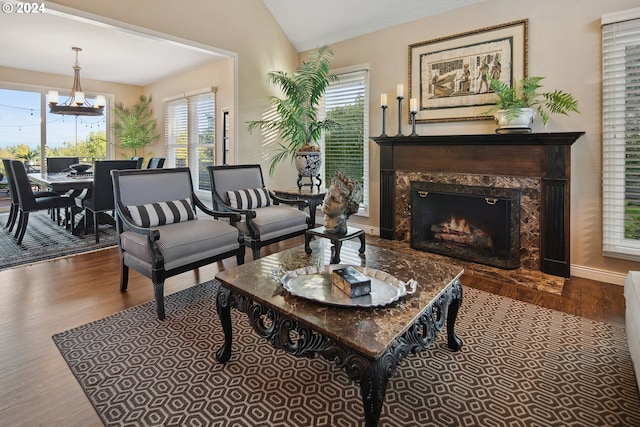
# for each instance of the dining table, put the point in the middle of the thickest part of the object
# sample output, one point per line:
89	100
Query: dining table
61	182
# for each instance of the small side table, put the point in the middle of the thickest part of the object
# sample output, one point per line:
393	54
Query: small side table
314	196
336	240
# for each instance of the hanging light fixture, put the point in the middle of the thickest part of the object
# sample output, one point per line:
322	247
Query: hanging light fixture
76	105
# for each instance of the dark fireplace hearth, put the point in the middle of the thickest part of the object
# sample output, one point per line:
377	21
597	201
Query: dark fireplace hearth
479	224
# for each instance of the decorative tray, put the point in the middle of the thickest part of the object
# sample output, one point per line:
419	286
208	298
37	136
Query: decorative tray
314	283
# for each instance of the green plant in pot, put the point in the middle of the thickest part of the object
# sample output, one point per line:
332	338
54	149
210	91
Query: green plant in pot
135	126
29	157
516	107
297	120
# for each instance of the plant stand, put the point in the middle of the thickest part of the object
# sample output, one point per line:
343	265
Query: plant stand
309	184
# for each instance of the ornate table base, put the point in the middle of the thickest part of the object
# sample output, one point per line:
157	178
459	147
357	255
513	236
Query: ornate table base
372	374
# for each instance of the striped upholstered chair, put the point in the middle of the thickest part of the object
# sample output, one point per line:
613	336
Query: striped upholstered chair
160	234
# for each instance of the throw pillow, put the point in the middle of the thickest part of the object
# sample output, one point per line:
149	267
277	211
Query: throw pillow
251	198
154	214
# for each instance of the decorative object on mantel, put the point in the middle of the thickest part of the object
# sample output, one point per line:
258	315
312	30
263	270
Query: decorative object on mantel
448	75
297	122
341	201
516	107
383	105
413	109
400	97
76	105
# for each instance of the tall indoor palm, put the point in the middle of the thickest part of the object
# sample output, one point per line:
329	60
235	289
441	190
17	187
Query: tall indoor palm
135	126
297	122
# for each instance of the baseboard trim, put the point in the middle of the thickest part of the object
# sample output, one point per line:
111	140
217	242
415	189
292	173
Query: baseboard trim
597	274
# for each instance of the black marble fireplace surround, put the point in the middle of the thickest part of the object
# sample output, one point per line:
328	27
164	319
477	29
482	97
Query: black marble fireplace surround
539	163
480	224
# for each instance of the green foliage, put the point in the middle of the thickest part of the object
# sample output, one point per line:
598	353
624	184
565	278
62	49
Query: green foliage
512	99
135	127
297	123
27	154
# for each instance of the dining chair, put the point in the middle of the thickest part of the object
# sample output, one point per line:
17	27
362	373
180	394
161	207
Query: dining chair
266	218
159	233
61	164
13	193
140	161
155	163
28	202
100	198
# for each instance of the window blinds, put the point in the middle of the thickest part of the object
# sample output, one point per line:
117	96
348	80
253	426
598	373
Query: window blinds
346	148
621	134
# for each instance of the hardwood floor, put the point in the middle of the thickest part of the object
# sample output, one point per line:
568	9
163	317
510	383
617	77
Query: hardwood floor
37	301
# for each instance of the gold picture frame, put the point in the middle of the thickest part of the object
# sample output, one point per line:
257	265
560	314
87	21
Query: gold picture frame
447	75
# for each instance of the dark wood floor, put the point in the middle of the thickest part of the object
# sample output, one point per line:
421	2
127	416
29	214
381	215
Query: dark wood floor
37	301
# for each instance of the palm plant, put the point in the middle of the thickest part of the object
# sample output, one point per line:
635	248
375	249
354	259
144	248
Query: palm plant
511	99
297	123
135	127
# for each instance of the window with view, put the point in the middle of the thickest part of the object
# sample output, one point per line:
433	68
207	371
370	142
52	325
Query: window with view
621	134
190	135
26	126
347	148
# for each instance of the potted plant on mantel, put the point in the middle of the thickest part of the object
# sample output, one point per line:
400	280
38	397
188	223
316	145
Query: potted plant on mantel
135	127
297	122
517	107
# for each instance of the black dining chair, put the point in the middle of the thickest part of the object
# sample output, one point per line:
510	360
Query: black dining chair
140	161
100	199
155	163
13	193
61	164
28	202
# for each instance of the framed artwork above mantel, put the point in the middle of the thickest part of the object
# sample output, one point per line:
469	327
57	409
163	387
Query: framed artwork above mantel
448	75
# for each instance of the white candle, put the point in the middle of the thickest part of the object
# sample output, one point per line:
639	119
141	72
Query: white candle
383	100
400	90
413	105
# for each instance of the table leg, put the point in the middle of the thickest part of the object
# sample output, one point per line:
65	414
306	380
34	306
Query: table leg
224	313
335	252
453	341
373	386
362	246
307	239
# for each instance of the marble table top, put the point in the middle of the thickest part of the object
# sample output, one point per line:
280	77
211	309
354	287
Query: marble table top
369	331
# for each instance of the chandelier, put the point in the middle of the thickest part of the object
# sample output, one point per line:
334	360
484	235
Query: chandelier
76	105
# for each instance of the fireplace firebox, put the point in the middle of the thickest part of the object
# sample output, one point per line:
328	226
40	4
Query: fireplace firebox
479	224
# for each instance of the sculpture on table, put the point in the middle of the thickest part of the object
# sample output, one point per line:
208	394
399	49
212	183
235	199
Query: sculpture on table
341	201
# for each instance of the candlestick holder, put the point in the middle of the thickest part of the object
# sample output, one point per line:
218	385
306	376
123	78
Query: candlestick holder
400	98
413	124
384	120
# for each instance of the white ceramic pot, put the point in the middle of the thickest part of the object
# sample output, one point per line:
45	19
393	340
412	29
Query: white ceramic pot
524	120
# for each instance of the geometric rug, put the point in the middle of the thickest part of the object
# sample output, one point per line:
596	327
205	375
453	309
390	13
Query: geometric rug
45	239
520	365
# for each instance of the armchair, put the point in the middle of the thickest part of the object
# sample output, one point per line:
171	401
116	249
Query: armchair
159	233
266	218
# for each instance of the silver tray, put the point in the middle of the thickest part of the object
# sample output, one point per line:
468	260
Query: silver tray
314	283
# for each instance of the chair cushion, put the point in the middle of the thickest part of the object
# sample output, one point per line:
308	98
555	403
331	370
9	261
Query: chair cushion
251	198
182	243
277	220
161	213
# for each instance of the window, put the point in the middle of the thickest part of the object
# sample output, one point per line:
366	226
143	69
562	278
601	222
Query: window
26	125
621	134
347	148
190	135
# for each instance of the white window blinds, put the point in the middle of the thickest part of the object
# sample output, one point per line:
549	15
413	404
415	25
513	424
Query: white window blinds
621	134
347	148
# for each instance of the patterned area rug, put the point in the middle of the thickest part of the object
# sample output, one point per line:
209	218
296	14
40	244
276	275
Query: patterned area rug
45	239
520	365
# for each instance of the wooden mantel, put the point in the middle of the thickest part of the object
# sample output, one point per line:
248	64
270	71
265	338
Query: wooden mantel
542	155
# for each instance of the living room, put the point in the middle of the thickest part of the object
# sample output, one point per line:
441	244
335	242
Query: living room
564	45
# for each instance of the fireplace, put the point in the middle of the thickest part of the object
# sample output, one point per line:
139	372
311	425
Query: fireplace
540	160
479	224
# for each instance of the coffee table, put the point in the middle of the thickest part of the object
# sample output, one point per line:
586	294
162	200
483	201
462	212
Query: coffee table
367	343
